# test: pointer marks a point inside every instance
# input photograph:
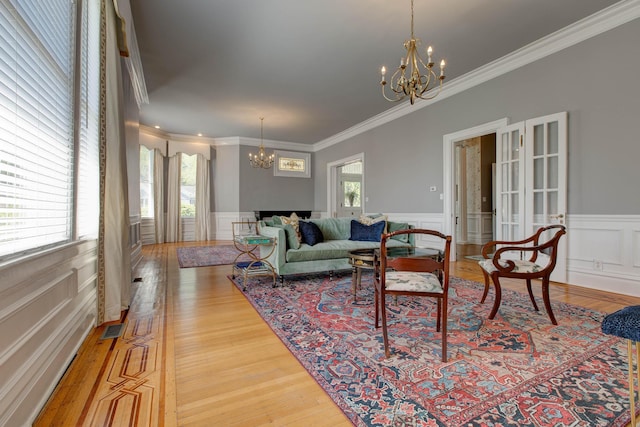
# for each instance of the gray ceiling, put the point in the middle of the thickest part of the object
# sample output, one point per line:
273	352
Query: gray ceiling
312	67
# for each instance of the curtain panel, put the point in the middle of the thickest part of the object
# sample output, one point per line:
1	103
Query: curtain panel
114	263
174	220
202	198
158	194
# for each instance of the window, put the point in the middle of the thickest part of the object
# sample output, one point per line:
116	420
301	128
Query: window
37	145
188	186
146	182
88	210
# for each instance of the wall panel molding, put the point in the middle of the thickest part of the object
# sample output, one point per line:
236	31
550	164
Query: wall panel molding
48	307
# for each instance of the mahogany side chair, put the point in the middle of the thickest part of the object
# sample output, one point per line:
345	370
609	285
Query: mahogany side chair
416	276
529	265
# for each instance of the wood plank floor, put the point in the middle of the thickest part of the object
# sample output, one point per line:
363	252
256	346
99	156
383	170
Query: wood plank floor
195	353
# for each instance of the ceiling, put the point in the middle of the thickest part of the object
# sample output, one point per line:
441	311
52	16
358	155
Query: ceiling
311	68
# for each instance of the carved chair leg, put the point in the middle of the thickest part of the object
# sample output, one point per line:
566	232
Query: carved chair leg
547	302
531	295
496	303
444	329
376	303
486	286
385	336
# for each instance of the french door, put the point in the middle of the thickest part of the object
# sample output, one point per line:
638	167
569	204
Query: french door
531	180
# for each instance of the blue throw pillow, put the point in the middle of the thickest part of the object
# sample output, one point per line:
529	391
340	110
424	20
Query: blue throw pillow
366	233
311	233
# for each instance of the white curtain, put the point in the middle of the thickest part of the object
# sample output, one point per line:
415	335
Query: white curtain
174	220
114	263
158	194
202	198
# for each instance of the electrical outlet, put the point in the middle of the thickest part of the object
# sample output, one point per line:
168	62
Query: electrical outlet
597	264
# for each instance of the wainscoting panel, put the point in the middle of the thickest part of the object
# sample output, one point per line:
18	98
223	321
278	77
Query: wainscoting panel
47	308
222	222
604	252
135	240
479	228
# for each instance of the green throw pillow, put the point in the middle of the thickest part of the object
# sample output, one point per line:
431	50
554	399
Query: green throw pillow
292	236
395	226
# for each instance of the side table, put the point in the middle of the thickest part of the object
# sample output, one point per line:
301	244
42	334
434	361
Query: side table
246	244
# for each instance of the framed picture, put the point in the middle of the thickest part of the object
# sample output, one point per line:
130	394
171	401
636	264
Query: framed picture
292	164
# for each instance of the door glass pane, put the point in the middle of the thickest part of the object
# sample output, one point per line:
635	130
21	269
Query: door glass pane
515	207
505	232
505	177
552	202
552	129
552	172
515	171
505	208
505	147
538	140
538	174
515	231
515	144
538	207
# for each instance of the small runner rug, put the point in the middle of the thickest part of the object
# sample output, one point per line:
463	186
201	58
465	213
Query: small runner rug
515	370
203	256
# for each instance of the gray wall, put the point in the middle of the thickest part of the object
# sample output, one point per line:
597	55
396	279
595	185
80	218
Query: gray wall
224	191
595	81
261	190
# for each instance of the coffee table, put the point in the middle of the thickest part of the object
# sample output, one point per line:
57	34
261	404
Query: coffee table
360	259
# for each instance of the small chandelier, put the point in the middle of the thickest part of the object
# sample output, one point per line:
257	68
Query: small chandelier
418	82
261	160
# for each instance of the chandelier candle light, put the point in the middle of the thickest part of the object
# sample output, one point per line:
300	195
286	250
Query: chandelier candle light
261	160
417	83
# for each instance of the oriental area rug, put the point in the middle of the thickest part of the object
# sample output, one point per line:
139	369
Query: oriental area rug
515	370
204	256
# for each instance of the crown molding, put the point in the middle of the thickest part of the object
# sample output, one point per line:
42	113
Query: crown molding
232	140
605	20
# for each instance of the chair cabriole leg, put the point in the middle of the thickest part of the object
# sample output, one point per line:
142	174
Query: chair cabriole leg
496	303
547	302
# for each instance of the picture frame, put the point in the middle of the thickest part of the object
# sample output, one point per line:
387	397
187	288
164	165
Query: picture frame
292	164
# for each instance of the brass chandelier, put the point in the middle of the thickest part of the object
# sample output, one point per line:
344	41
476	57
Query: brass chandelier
261	160
421	77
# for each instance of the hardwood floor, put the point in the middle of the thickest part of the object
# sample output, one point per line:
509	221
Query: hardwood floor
195	353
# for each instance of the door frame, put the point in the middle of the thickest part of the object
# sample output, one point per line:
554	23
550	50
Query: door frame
449	146
332	180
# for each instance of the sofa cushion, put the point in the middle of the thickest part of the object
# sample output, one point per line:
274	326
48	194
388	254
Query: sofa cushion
367	233
293	220
332	249
334	228
292	237
395	226
310	233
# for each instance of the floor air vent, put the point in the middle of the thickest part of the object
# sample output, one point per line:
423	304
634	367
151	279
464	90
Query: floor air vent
112	331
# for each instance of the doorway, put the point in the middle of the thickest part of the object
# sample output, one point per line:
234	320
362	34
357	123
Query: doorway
345	187
474	199
450	142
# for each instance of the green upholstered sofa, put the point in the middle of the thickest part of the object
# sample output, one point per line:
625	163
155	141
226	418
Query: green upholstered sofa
328	256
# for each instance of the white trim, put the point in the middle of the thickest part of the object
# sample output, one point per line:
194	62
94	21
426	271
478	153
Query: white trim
448	149
604	20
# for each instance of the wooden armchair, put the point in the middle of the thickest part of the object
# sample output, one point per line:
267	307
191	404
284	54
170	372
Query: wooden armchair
420	276
528	267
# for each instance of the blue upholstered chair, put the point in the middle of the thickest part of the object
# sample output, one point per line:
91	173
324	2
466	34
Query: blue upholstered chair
625	323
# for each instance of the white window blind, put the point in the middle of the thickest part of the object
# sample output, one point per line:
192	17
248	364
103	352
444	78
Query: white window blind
89	124
36	119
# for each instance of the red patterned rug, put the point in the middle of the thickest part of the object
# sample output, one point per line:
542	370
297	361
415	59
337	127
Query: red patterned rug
203	256
515	370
